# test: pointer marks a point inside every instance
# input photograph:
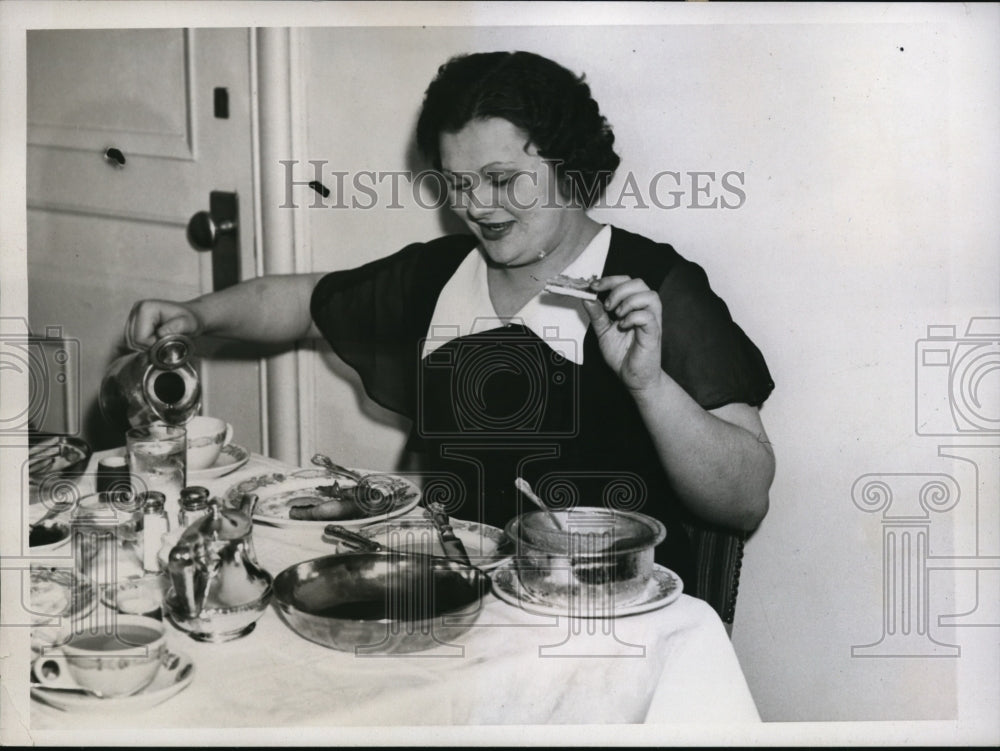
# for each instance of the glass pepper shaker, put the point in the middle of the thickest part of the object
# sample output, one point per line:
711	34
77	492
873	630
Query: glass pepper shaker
107	542
194	505
155	523
128	508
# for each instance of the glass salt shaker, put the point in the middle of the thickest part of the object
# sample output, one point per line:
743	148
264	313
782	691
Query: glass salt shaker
156	523
194	505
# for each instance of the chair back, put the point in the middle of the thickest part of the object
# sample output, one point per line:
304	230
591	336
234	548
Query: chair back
718	557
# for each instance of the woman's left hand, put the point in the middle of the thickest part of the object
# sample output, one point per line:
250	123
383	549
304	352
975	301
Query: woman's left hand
627	325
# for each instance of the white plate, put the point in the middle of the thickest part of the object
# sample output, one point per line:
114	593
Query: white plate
487	546
663	588
276	489
231	458
168	682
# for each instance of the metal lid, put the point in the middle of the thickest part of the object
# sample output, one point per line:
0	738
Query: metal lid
172	351
221	523
153	500
194	498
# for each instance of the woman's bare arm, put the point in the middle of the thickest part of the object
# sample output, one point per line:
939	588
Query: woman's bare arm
267	309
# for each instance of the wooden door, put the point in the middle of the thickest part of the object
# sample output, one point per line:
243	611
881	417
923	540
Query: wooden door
129	132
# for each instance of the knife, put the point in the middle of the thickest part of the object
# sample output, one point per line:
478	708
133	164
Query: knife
453	547
336	534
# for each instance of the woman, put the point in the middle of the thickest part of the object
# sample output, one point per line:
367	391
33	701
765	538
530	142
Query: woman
651	386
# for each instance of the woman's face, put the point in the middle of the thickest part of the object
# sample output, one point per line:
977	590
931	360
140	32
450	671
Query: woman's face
506	193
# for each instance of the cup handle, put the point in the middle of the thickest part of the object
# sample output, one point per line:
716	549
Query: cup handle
50	669
229	435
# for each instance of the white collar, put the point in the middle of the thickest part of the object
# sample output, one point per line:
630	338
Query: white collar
464	305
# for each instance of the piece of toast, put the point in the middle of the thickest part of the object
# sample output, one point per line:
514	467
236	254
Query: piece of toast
571	287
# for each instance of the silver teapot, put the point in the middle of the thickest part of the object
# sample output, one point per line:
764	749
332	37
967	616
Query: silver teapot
155	385
218	589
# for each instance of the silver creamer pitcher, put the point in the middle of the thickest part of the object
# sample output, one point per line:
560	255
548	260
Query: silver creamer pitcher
218	589
155	385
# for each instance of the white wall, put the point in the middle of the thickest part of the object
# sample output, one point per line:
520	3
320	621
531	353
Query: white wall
870	161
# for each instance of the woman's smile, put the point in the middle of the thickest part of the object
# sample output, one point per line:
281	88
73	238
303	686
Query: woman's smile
495	231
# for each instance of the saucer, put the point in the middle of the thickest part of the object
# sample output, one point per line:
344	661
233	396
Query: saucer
664	587
168	682
230	459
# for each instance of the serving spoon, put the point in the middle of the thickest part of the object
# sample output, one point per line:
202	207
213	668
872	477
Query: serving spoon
321	460
378	489
521	484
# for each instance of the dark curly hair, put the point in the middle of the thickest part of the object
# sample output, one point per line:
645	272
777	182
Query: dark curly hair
539	96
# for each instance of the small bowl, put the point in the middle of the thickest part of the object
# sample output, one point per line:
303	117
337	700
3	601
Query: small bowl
601	558
380	603
140	595
217	624
47	537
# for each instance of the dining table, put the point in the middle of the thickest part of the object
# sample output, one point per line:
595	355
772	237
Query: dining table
516	665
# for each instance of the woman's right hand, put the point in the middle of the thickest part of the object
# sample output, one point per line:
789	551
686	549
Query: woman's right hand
151	320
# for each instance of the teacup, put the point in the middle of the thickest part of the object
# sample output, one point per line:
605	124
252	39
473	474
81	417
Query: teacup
118	662
205	438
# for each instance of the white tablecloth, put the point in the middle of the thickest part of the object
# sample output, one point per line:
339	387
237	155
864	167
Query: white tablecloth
675	664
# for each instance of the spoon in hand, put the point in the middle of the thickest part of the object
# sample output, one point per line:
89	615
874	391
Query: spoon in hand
521	484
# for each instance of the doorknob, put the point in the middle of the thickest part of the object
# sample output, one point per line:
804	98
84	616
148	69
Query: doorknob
203	232
215	230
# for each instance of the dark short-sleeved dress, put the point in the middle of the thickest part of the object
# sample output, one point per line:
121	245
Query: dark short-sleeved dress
495	405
